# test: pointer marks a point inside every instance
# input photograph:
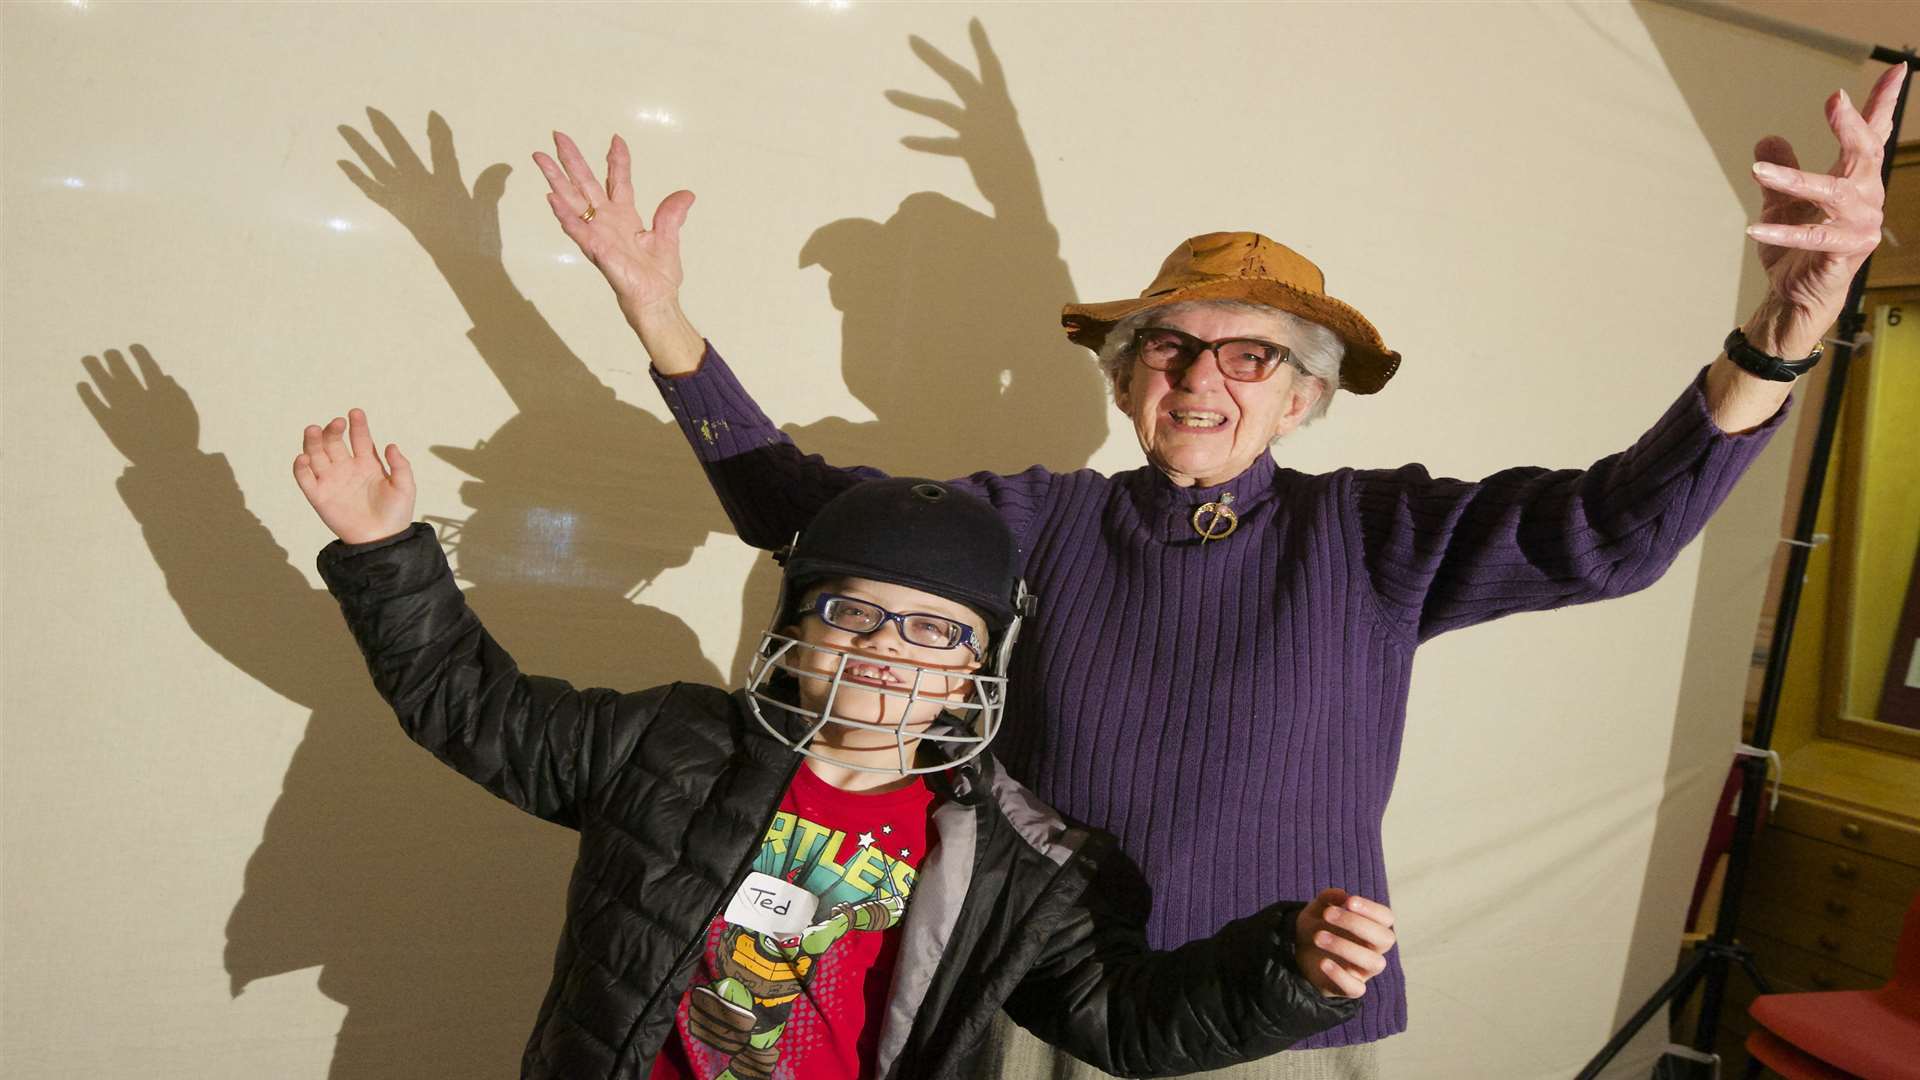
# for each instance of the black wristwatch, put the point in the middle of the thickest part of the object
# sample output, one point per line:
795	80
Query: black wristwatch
1767	366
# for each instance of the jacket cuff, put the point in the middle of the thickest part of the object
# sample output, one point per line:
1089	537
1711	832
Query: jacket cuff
1338	1009
717	415
401	563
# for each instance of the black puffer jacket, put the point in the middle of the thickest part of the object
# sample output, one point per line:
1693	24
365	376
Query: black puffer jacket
672	789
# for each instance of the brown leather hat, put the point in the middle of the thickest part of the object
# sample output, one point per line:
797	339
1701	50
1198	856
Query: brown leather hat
1249	267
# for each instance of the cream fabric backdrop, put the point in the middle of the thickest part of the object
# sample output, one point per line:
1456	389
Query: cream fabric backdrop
221	857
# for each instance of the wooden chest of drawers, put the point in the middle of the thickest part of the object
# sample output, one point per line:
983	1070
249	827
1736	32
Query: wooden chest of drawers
1827	892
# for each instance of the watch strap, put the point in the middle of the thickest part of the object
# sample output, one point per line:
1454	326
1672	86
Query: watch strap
1750	359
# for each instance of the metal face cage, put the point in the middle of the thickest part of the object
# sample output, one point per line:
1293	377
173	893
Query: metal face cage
969	724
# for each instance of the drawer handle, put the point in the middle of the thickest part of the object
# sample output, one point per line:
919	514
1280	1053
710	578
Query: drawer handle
1836	908
1821	980
1852	830
1845	870
1829	943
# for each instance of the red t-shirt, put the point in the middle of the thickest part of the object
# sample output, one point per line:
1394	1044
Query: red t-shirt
796	987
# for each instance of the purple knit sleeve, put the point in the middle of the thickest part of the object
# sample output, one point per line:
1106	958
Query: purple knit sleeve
1444	554
769	488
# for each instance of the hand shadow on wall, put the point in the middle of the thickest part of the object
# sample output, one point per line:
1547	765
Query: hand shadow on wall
431	910
950	318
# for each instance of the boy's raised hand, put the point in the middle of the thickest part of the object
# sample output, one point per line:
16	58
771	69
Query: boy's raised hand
358	498
1341	941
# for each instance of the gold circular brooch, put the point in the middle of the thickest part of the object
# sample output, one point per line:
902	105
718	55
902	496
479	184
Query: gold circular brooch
1215	520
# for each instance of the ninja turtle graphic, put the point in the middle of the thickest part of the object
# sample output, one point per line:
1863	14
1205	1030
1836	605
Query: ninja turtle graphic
743	1013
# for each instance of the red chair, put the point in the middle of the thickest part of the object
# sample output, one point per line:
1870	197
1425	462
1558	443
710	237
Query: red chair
1845	1034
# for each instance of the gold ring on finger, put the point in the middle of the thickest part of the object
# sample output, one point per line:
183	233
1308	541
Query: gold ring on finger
587	214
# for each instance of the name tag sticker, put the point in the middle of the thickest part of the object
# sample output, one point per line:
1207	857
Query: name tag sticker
766	905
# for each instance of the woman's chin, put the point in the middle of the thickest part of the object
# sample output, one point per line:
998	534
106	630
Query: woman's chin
1189	465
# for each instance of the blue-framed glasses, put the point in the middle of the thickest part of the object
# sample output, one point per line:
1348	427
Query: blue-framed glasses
915	627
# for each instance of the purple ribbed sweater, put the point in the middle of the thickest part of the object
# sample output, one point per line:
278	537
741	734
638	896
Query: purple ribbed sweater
1233	710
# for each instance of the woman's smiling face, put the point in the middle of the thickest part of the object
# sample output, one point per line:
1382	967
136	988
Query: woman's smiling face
1200	427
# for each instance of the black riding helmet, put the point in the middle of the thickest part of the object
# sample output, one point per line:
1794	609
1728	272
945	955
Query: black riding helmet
918	533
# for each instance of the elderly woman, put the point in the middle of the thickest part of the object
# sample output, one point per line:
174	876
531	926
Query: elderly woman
1219	671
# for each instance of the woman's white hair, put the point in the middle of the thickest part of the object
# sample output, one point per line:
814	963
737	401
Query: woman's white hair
1316	349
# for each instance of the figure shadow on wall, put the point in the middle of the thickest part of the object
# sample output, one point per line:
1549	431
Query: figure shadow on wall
950	318
431	910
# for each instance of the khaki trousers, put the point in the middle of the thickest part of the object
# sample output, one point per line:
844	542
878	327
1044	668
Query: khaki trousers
1013	1054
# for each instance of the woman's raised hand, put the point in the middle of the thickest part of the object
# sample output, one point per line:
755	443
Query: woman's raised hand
642	264
1816	229
347	486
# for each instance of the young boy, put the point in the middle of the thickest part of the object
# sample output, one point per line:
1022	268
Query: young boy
741	911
